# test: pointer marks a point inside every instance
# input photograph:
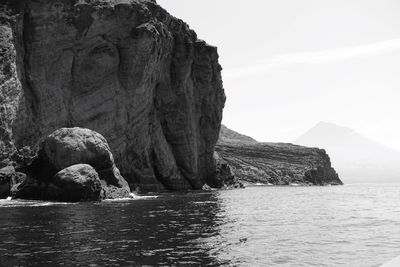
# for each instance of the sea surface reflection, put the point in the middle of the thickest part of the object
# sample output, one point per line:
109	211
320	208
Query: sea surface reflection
262	226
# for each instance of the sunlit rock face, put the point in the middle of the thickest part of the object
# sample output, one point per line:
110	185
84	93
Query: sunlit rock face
126	69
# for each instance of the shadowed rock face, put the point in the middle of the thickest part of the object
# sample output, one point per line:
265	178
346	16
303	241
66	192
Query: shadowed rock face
125	69
225	177
277	163
73	164
9	181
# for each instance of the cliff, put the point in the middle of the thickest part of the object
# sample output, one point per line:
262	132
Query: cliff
277	163
125	69
227	136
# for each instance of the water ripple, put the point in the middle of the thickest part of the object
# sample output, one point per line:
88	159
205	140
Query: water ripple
259	226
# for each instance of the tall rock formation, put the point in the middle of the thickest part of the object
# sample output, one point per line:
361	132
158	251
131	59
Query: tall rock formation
126	69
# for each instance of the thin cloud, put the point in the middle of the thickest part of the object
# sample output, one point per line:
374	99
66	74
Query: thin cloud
277	63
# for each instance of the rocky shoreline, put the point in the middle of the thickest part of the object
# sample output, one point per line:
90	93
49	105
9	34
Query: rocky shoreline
102	98
127	70
252	162
76	164
279	164
73	164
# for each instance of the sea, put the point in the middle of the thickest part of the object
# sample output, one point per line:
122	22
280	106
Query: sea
351	225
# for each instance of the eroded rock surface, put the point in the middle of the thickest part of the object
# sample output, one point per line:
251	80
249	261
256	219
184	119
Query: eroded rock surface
125	69
277	163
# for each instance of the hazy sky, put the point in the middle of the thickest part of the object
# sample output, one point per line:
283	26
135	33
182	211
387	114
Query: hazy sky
289	64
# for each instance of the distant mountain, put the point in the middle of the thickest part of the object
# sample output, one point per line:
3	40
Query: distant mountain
228	136
355	157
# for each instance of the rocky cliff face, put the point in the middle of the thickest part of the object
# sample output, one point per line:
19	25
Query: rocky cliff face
126	69
277	163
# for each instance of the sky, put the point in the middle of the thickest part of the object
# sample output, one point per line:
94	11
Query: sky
290	64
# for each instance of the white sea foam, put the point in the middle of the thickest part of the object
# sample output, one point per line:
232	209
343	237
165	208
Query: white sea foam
9	202
5	200
132	196
260	184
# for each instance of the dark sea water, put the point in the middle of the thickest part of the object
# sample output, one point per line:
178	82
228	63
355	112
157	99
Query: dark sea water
354	225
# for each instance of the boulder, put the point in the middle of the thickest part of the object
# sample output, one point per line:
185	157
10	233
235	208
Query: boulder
67	147
75	183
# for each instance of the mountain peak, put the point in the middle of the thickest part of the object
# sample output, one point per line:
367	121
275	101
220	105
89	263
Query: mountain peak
331	126
324	133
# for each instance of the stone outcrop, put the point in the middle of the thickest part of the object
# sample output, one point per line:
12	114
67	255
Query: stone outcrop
9	181
278	163
125	69
73	164
225	177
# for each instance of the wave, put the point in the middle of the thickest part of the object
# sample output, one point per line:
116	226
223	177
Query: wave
9	202
259	184
7	199
134	196
131	197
